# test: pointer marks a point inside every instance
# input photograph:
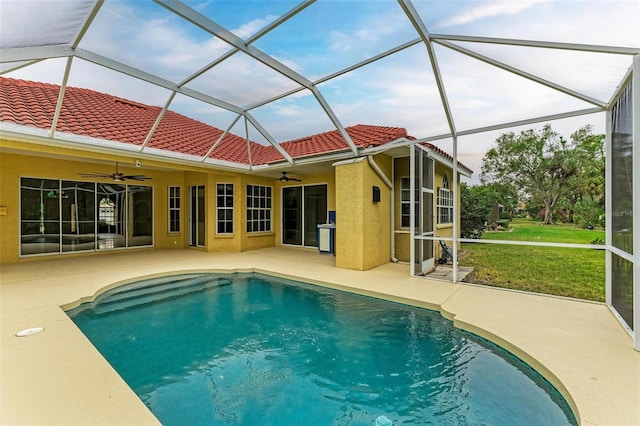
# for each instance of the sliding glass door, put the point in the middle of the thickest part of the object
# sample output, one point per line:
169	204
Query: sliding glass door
197	216
292	215
111	211
70	216
140	225
78	201
303	209
39	216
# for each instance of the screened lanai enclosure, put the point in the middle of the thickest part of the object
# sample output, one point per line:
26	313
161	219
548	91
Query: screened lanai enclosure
455	74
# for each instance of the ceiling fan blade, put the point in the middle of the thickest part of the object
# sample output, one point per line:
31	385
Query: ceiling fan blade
284	178
136	177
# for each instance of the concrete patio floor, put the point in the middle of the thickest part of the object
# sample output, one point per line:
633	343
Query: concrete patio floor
58	378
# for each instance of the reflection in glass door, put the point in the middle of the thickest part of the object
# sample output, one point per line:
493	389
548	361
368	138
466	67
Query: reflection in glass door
111	215
196	216
140	226
78	201
303	209
292	215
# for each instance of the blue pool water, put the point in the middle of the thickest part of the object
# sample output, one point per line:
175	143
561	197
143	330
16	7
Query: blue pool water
205	349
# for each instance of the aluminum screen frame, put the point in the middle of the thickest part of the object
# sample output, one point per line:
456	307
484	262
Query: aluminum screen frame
622	203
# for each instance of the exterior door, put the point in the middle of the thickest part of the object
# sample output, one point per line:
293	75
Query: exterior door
303	209
422	173
292	215
197	216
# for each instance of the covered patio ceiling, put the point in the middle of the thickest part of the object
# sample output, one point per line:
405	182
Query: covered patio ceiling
277	71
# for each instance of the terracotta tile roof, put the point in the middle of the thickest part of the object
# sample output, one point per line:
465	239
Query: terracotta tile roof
99	115
363	136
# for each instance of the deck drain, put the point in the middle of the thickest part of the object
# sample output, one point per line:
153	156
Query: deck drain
29	331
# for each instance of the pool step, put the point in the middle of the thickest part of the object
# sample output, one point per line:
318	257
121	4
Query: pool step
151	291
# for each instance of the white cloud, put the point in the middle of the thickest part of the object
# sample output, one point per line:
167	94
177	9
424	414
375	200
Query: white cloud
248	29
488	10
396	91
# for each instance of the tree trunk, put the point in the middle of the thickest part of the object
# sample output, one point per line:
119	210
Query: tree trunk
548	214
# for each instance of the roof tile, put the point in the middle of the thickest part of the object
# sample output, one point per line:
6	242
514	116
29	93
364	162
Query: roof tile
99	115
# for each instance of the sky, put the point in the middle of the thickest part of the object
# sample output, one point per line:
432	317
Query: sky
328	36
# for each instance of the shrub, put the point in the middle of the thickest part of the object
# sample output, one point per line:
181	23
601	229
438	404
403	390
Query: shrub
504	223
505	215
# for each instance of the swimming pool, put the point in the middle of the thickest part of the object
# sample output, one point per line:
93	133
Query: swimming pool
252	349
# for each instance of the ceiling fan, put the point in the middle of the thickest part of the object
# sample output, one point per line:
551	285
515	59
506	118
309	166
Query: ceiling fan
117	176
285	178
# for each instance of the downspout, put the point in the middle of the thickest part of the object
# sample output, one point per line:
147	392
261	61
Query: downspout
387	182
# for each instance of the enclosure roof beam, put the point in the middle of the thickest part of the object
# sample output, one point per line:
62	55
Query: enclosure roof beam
63	88
213	28
18	54
368	61
16	67
222	136
228	37
153	79
617	50
421	28
337	73
297	9
158	120
334	119
521	73
268	137
87	24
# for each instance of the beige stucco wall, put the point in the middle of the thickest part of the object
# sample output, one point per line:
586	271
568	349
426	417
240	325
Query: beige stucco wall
402	235
14	166
47	163
362	227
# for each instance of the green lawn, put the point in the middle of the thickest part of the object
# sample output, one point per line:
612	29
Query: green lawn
567	272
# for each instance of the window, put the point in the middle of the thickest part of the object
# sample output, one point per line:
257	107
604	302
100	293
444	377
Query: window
174	209
258	208
67	216
445	202
405	202
224	208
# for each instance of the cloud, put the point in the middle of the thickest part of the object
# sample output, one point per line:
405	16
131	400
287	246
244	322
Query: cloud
248	29
202	5
395	91
488	10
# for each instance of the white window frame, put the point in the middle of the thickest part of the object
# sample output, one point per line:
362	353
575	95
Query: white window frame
259	209
225	207
173	209
405	190
445	203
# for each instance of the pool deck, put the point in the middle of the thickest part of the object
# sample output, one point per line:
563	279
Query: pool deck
58	378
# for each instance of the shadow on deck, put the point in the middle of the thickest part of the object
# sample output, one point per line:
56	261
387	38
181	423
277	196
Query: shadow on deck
445	272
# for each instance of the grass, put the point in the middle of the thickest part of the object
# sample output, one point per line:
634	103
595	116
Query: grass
569	272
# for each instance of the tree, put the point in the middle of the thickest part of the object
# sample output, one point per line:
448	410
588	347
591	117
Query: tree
586	187
540	163
476	203
475	208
